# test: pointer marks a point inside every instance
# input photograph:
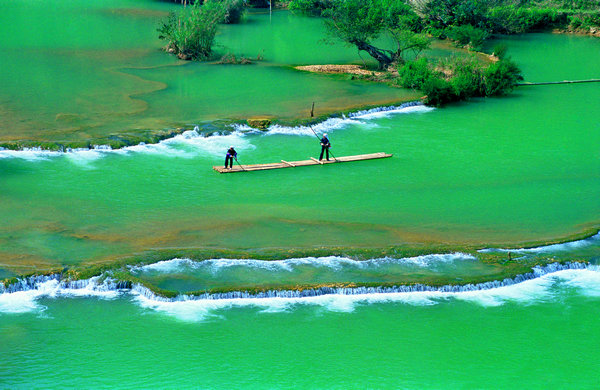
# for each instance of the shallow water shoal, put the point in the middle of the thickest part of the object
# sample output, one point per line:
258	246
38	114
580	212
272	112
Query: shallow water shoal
74	74
469	173
492	171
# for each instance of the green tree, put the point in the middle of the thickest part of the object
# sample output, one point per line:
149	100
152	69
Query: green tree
361	22
311	7
414	74
466	34
501	77
456	78
445	13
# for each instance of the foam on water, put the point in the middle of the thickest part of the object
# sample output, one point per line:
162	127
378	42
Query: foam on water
19	302
328	125
564	247
527	292
536	286
381	112
588	283
29	154
84	157
187	145
334	262
192	143
355	118
29	291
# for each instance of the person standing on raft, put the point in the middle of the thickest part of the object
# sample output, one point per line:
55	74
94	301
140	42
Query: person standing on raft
231	154
325	145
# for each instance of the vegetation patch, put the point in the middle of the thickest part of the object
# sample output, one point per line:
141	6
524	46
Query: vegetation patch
468	23
190	34
458	78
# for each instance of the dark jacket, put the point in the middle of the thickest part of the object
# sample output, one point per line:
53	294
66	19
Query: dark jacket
325	142
231	152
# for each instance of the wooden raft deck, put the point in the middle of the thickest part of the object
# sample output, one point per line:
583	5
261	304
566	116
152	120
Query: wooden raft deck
303	163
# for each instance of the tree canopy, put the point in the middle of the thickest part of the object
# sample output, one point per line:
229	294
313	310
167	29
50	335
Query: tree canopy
361	22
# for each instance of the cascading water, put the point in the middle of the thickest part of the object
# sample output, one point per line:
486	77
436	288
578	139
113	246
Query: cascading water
107	284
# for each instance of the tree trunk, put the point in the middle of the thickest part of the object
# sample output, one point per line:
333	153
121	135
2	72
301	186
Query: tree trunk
381	57
397	58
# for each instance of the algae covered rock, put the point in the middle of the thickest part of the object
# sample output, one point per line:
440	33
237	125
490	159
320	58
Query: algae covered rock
259	123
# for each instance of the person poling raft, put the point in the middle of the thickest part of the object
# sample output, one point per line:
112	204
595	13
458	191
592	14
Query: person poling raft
303	163
232	154
325	145
325	150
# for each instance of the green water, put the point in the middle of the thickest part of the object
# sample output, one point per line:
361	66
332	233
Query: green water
532	49
493	171
448	342
471	173
74	71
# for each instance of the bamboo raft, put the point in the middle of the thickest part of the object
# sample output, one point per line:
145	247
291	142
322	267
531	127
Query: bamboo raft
303	163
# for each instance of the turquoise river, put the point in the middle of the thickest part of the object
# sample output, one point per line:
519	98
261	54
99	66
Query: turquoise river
475	192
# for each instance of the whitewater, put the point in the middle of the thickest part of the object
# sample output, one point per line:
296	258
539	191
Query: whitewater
25	295
193	143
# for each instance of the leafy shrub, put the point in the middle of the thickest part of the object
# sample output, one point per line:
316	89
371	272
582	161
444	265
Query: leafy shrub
500	50
234	10
467	78
460	79
259	3
515	20
191	33
448	17
312	7
438	91
439	33
501	77
468	35
584	20
414	74
575	22
580	4
446	13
